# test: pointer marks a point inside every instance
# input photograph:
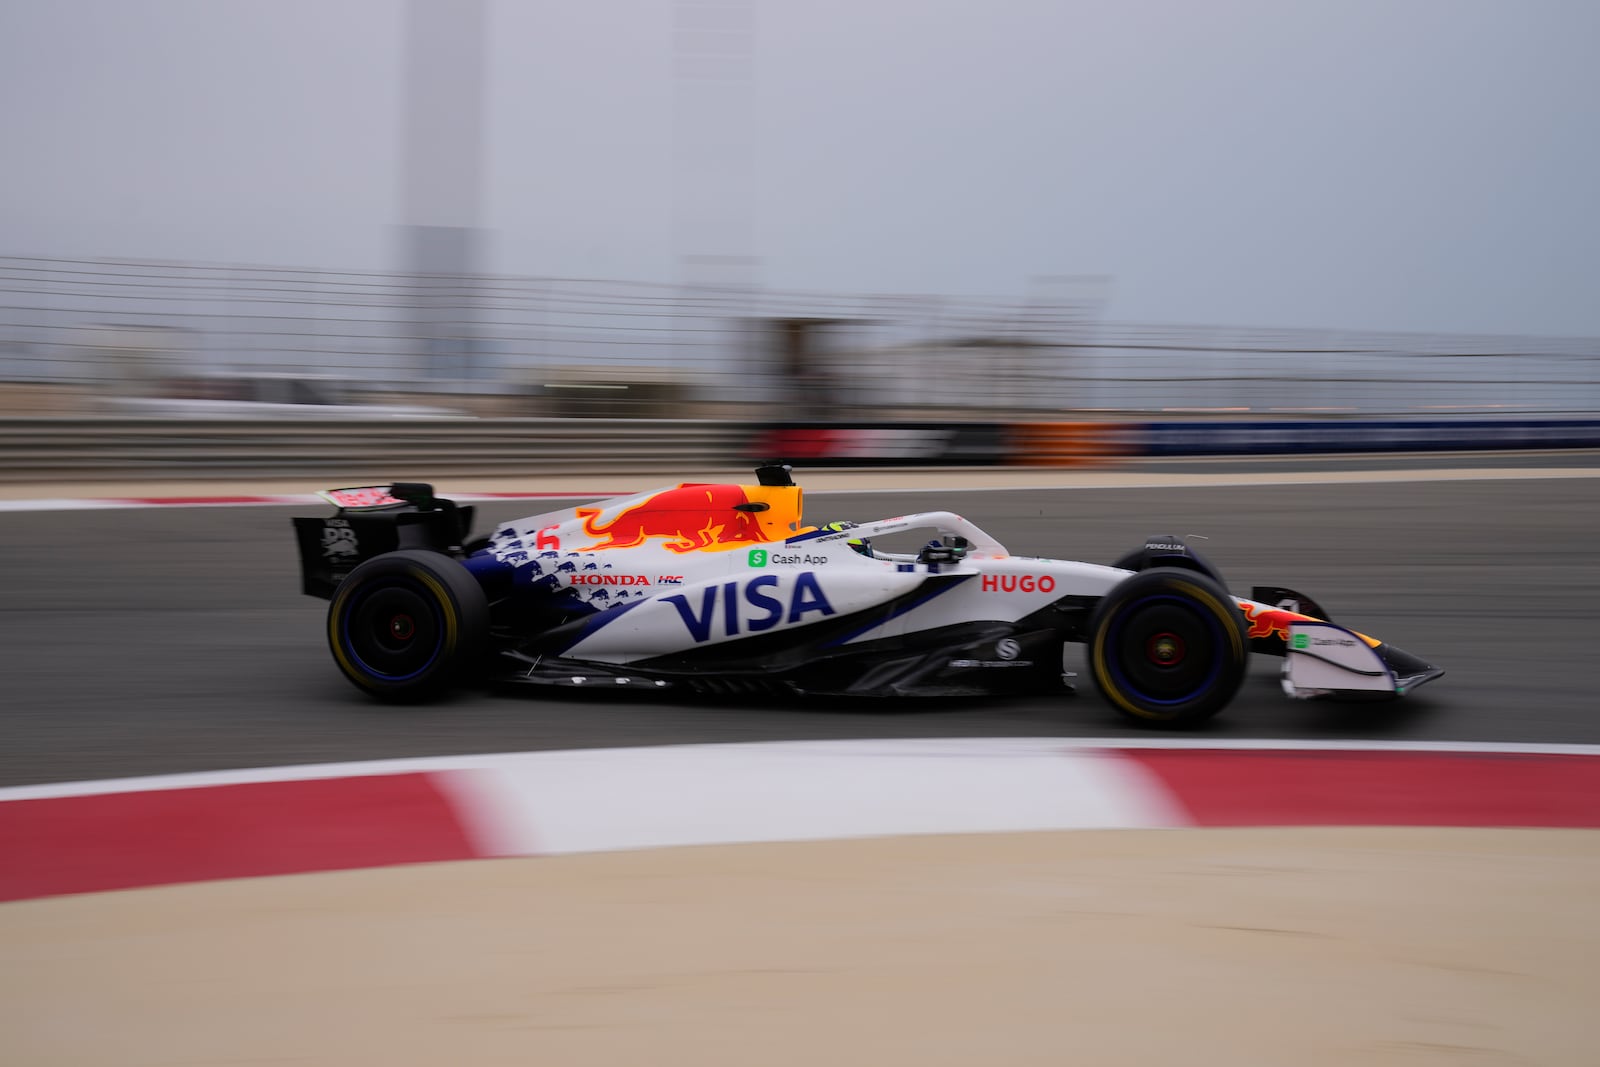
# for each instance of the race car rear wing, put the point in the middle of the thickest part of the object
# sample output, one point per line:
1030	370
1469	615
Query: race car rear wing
370	521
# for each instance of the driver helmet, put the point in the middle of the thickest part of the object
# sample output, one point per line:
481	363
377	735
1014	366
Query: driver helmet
860	544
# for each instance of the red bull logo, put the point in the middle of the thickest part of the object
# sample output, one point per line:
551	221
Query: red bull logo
1269	622
690	518
1275	622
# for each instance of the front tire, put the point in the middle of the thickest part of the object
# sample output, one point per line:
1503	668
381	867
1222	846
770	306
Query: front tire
1167	647
402	626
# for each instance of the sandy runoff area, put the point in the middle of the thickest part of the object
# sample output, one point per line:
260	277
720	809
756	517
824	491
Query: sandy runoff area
1229	947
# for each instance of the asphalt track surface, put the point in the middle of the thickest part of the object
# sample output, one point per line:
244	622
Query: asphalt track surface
174	639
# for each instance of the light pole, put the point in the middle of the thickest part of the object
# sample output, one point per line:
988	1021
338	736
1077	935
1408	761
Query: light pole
441	175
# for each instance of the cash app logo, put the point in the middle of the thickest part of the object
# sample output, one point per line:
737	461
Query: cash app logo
1302	642
758	557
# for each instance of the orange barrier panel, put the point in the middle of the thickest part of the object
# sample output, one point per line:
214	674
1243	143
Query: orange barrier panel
1066	444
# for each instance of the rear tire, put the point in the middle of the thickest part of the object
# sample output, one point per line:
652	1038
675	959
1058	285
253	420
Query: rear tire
403	626
1167	647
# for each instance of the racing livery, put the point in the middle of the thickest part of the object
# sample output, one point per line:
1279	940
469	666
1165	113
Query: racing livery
723	588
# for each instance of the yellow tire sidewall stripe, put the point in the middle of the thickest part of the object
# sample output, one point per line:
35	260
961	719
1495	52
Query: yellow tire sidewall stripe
1102	669
447	610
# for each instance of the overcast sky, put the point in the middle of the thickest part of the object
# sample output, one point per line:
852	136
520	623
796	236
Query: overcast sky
1377	164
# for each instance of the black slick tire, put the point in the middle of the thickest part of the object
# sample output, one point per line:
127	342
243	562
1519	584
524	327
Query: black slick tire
1167	647
404	625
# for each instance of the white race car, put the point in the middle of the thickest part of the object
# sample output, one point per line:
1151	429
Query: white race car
722	588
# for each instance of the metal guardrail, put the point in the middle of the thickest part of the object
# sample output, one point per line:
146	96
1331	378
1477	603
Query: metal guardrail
68	449
39	449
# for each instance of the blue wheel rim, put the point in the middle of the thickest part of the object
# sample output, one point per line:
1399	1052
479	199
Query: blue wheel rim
380	605
1116	635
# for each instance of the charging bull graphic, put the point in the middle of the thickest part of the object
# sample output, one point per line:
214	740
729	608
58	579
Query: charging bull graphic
691	518
1269	622
1275	622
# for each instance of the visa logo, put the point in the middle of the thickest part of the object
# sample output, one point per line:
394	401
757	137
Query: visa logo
749	606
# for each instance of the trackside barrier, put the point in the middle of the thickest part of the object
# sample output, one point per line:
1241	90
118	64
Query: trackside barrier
63	449
37	449
1235	438
1069	444
1091	442
882	444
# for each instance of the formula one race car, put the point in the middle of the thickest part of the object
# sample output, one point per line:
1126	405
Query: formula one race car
716	588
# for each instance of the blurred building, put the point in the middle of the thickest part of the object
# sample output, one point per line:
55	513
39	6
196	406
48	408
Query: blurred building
574	348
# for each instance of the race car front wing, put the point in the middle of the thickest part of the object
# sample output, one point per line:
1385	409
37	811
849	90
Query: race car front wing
1323	659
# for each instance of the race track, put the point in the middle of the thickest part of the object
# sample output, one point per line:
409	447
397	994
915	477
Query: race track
174	639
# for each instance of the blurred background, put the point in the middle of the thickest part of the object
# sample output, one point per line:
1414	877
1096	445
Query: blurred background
745	210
